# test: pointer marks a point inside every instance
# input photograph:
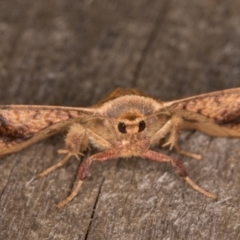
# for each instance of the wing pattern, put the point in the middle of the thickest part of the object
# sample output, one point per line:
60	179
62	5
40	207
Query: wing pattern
216	113
223	106
21	126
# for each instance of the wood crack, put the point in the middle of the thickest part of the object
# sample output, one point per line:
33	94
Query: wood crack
94	210
159	20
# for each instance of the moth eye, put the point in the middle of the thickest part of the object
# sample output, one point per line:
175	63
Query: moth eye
142	126
122	127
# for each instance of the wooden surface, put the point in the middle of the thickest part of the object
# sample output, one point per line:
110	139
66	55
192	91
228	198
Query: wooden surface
72	53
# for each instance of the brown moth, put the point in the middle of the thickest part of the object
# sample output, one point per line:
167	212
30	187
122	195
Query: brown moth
126	123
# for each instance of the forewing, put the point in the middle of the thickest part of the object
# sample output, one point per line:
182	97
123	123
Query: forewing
22	125
216	113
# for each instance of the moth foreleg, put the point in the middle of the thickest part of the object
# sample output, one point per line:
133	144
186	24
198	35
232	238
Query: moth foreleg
76	142
174	132
162	132
55	166
180	169
84	170
97	141
172	126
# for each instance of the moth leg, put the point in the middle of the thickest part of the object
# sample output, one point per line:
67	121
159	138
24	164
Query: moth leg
76	142
186	153
55	166
162	132
180	169
174	133
84	170
97	141
172	126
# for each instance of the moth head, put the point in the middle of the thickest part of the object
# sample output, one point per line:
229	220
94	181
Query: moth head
131	128
131	122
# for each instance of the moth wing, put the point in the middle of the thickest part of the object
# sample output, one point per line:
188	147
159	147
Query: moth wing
21	126
216	113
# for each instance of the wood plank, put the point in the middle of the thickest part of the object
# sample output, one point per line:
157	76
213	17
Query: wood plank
72	53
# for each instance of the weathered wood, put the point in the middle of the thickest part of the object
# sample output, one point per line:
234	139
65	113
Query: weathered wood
59	52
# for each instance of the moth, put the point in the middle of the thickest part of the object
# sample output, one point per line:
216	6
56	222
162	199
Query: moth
124	124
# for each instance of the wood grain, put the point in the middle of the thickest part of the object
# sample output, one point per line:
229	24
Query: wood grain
73	53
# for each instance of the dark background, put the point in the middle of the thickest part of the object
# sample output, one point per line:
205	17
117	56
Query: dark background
72	53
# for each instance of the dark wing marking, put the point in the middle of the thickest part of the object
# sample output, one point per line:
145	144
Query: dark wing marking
21	126
216	113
